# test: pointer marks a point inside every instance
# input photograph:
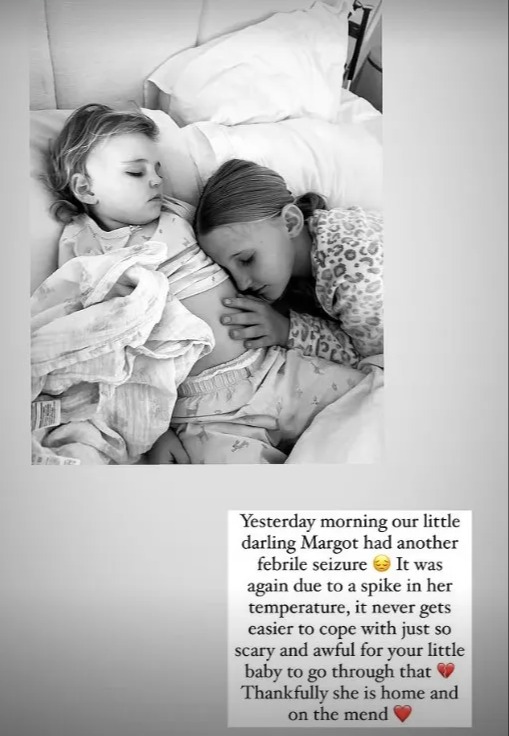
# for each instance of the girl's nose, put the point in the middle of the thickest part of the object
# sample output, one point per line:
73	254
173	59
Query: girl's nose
155	179
243	282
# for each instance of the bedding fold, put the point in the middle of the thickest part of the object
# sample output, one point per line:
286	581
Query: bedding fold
110	346
350	430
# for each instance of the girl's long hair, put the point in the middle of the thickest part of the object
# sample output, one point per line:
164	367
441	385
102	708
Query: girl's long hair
243	191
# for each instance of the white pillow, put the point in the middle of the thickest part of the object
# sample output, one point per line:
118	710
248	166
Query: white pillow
290	65
180	174
225	16
342	161
44	229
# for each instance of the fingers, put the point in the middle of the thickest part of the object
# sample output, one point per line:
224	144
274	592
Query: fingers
179	454
253	312
158	457
240	318
247	302
246	333
261	342
174	455
168	450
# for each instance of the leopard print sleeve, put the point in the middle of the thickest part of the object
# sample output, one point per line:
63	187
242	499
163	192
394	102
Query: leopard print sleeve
322	338
347	257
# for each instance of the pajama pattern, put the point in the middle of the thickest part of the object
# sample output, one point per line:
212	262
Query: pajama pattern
254	409
188	269
347	265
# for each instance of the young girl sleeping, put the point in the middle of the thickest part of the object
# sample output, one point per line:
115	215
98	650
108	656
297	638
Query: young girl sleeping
238	405
288	252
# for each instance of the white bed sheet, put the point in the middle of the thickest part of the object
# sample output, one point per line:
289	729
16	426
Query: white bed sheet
351	430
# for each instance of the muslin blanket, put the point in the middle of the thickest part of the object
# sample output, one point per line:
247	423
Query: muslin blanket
109	346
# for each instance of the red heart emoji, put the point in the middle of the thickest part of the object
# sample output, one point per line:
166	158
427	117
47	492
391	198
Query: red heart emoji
445	669
402	711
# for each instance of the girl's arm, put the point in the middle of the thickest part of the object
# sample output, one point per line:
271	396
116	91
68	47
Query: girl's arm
73	241
322	338
348	265
258	324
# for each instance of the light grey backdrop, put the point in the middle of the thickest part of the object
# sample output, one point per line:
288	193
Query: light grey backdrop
113	581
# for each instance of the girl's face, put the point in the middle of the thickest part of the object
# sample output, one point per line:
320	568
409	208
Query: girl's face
259	256
125	181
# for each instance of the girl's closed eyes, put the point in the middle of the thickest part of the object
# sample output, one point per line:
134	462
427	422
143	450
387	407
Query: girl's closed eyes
247	210
157	169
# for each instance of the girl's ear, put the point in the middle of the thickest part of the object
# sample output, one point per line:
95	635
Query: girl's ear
81	189
293	219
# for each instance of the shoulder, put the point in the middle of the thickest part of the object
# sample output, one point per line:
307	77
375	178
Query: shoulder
173	228
352	213
77	239
359	217
79	226
178	207
331	226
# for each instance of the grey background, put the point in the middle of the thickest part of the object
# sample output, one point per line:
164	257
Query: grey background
113	580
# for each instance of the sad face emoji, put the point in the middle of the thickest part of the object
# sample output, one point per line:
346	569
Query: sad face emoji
381	563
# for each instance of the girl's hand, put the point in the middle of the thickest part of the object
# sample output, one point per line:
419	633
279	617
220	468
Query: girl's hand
168	450
257	322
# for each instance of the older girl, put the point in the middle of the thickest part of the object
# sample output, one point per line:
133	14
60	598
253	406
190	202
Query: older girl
320	269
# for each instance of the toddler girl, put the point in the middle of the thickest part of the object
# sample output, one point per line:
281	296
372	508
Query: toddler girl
295	254
237	405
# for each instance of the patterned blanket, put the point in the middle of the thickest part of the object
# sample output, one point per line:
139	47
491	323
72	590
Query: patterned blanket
109	347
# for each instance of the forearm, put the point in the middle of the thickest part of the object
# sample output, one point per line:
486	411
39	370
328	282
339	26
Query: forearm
321	338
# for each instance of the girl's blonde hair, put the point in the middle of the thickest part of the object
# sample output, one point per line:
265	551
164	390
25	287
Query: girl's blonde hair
67	155
243	191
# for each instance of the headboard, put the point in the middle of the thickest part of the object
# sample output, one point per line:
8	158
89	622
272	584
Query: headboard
102	50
